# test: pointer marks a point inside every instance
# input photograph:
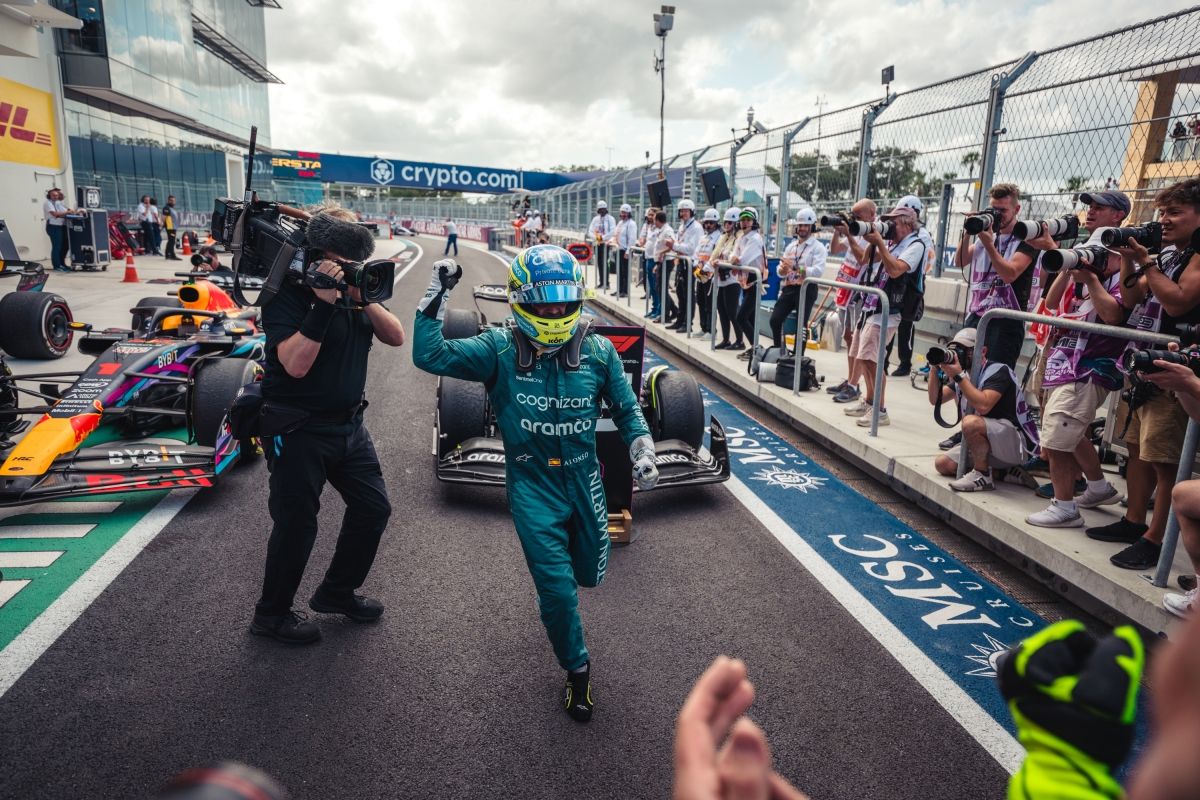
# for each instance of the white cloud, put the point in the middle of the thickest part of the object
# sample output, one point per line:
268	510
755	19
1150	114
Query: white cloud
538	83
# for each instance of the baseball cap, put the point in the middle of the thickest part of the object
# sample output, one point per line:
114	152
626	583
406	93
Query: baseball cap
965	337
902	211
1109	198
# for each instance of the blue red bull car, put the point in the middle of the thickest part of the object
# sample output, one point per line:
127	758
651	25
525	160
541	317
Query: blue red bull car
151	412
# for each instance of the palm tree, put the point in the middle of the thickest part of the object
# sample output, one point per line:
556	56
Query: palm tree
969	161
1074	184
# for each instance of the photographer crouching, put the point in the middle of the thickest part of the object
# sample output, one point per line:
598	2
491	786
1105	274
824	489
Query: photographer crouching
318	340
1000	434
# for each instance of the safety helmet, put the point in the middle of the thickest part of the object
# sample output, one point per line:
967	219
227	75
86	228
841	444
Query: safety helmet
731	214
601	204
545	273
806	216
712	215
626	208
913	202
749	212
687	205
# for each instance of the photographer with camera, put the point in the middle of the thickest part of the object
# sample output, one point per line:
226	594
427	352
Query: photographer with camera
728	289
853	250
704	270
1000	433
1080	371
895	253
1163	293
999	266
547	376
318	340
804	257
913	307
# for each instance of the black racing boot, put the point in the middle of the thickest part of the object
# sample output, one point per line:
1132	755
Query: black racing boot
577	694
353	606
289	628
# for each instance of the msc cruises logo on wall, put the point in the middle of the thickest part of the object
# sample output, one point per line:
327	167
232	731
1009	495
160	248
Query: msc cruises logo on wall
382	171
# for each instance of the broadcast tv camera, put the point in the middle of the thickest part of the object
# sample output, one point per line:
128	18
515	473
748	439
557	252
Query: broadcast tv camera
274	243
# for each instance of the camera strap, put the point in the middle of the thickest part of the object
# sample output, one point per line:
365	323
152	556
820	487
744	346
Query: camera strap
937	409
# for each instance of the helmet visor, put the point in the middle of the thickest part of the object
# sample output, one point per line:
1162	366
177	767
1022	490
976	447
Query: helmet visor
548	292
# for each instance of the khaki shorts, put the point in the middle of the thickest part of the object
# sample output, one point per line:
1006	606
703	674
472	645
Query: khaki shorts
1005	444
1157	429
1068	412
865	345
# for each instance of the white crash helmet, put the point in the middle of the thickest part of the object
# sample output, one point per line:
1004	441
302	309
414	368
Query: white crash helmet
806	216
626	208
601	204
712	215
749	211
731	214
913	202
687	205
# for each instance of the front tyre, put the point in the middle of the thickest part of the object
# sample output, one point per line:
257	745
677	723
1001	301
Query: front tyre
35	325
215	389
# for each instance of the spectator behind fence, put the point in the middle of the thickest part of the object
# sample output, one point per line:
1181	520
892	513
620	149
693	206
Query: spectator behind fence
656	247
1080	371
1163	293
703	271
750	251
624	237
533	226
893	263
728	288
1179	137
853	250
1000	271
913	306
805	257
684	242
1000	432
1185	498
599	231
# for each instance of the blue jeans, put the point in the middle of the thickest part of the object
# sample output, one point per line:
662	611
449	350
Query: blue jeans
653	286
451	239
58	245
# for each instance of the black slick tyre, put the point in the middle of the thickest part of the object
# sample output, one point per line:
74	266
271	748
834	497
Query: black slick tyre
460	323
677	409
35	325
461	412
216	387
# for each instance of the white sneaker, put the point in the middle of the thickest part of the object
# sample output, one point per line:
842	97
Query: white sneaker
1181	605
865	420
1019	476
973	481
1106	496
858	409
1055	516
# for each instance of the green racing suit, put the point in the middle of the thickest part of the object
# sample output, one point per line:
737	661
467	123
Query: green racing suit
547	419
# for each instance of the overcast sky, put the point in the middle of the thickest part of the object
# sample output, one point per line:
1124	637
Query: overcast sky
538	83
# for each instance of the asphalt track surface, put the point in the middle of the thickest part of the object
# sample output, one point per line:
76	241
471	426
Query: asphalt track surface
454	693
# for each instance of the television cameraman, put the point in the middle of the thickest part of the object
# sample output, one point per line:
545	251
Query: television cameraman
999	272
1163	292
1081	369
313	387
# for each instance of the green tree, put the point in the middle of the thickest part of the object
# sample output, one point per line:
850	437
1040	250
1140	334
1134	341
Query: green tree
1075	184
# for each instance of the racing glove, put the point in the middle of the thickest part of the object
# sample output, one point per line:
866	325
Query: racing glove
1073	699
446	275
641	453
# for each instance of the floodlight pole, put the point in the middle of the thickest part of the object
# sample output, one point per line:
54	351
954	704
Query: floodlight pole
661	68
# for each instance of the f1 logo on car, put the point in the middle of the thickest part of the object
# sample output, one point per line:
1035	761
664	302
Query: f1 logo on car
623	343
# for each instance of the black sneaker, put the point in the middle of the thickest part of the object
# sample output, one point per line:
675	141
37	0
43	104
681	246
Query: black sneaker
902	371
577	694
953	441
353	606
1122	531
1142	554
290	628
1187	582
837	389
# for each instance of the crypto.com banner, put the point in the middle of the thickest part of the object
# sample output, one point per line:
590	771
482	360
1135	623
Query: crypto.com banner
408	174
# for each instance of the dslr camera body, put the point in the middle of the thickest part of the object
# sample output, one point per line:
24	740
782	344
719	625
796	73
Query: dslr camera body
952	353
274	243
986	220
1142	361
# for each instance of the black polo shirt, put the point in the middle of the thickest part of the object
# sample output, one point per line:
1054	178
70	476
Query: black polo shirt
337	379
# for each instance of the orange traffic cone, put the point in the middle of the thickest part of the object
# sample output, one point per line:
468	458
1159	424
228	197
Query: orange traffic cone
131	275
187	246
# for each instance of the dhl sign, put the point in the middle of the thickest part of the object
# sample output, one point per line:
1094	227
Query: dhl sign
27	126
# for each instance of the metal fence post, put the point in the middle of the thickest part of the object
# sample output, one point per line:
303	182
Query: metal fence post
785	180
992	130
1171	537
864	143
695	177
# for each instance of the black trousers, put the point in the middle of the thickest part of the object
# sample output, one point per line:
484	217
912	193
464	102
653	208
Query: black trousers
622	273
301	463
147	236
601	266
727	307
667	267
746	314
789	300
170	252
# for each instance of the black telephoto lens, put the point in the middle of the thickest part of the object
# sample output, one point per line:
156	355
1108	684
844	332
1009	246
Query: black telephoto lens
939	355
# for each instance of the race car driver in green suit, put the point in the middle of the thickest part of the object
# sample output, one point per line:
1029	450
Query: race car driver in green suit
546	376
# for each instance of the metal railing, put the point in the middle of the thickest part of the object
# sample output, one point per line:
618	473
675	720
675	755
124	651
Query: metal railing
1186	458
884	313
